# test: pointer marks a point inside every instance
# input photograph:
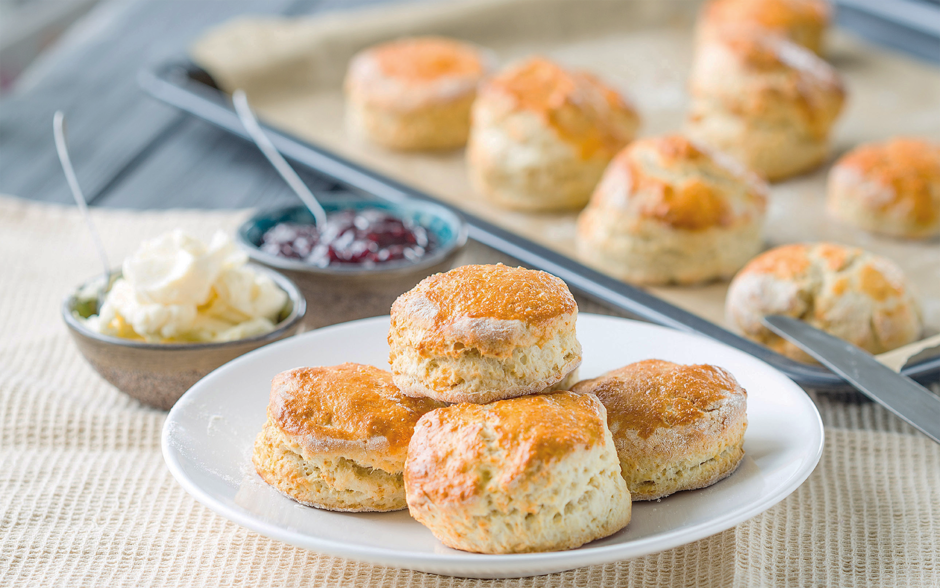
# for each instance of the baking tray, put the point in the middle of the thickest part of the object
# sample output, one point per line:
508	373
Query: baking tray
186	86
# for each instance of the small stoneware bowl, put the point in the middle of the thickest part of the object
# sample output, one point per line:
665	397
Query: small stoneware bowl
337	293
157	374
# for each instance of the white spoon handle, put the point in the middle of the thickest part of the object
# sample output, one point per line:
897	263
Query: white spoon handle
62	148
280	164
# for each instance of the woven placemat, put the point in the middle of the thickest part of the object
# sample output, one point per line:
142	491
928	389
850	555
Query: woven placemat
85	499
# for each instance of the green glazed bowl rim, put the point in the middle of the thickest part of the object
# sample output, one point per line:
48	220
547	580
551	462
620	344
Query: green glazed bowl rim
294	296
437	255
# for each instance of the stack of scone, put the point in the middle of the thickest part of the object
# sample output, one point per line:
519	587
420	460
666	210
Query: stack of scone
519	463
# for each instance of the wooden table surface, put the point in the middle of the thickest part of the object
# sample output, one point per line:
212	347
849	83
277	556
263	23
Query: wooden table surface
132	151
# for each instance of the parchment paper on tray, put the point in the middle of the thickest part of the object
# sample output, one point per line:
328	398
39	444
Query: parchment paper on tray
292	70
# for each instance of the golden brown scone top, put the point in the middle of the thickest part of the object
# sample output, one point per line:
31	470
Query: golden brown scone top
345	405
680	183
582	109
652	394
420	59
415	73
483	306
908	166
513	439
776	15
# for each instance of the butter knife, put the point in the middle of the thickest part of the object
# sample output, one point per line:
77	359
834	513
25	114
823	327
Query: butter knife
907	399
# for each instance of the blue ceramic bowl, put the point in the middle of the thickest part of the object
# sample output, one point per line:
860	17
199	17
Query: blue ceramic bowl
341	293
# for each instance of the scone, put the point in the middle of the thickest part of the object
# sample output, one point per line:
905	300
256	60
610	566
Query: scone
537	473
857	296
676	427
671	211
892	188
480	333
336	437
763	100
541	135
802	21
415	93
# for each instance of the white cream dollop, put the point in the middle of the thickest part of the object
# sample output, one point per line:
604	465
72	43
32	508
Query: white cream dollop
175	288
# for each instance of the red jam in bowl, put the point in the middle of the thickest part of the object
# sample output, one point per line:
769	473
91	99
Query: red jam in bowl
365	237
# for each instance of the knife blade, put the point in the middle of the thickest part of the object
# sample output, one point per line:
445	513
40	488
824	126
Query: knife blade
904	397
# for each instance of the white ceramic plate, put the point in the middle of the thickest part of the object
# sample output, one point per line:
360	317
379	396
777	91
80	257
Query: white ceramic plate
208	437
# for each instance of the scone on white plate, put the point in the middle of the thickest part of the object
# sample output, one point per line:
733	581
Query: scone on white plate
890	187
669	210
336	437
415	93
541	135
764	100
480	333
847	292
537	473
802	21
676	427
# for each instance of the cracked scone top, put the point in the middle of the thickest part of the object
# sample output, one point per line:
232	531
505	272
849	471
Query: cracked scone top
676	427
336	437
850	293
537	473
483	332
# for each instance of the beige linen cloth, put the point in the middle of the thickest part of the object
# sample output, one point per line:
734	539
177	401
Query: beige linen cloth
86	500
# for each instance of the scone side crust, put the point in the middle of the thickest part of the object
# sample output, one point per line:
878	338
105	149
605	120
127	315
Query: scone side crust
708	472
418	388
516	162
324	482
644	251
462	373
351	407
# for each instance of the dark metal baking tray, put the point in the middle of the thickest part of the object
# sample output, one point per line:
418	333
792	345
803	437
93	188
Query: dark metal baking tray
184	85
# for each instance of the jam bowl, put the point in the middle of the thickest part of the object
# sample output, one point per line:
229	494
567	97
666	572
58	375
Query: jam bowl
378	250
157	374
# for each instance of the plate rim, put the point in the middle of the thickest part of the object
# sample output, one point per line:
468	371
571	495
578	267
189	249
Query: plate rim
490	564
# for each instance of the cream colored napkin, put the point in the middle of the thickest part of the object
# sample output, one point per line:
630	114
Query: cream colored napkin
85	498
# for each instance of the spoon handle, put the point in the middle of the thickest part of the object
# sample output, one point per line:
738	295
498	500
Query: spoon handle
62	148
280	164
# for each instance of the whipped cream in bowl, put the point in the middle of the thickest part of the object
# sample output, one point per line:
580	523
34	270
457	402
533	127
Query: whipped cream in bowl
177	309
